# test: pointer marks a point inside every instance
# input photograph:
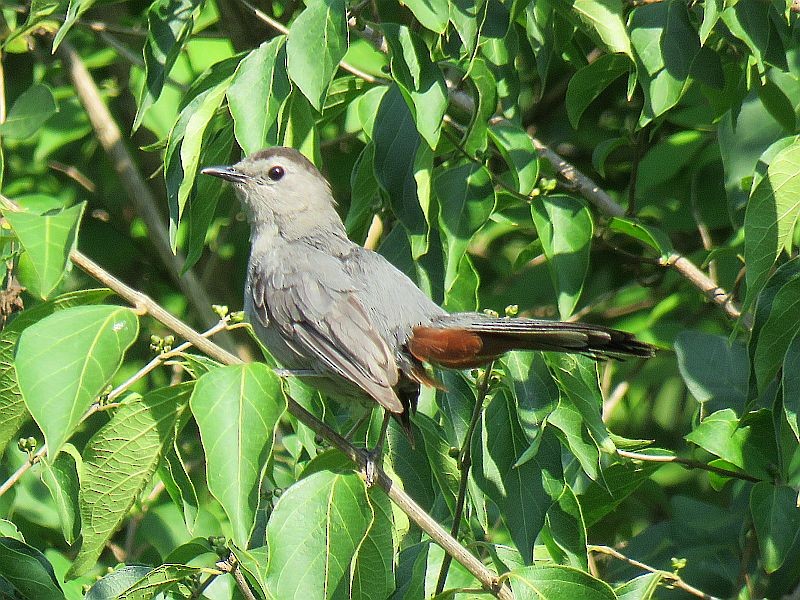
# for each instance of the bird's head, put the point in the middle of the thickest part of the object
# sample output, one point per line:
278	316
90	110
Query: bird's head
281	187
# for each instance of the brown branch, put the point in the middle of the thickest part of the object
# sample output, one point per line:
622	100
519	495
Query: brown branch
464	465
110	137
231	565
425	522
587	188
688	463
674	579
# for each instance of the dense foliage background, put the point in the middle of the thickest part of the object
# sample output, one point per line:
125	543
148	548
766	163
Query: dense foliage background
633	164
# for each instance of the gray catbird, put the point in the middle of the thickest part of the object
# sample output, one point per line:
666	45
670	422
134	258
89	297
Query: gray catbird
324	304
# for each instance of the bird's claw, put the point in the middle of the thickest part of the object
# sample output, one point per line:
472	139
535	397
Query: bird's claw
372	466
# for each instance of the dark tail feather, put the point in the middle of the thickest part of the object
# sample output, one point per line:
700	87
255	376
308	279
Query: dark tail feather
467	340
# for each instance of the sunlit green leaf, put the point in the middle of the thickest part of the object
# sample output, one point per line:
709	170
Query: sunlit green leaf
317	42
65	361
257	94
313	534
565	227
47	240
119	461
419	79
236	408
771	217
169	23
551	582
466	198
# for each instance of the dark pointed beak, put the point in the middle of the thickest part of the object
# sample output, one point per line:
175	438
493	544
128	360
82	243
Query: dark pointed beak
226	173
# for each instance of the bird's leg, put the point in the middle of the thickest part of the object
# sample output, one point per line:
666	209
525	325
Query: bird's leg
375	456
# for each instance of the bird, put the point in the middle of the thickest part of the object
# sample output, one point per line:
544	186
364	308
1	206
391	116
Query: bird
324	305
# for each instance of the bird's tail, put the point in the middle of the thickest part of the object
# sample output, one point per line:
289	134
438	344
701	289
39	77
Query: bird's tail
467	340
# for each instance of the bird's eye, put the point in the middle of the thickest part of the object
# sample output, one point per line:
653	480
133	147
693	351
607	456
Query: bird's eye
276	173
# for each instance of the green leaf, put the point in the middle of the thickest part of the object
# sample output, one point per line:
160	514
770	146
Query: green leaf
169	24
640	588
317	42
619	481
158	580
364	198
516	148
776	520
567	420
769	344
199	213
669	160
61	479
433	14
464	15
420	80
605	149
175	477
461	295
551	582
396	140
29	112
715	369
666	46
236	408
47	240
647	235
751	22
565	532
605	20
466	200
771	217
13	412
748	445
116	582
565	227
119	461
28	571
482	79
373	563
74	11
314	533
65	361
590	81
300	130
791	385
518	491
182	156
577	377
257	95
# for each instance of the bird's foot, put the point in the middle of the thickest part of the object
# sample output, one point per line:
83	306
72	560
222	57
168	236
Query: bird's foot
374	461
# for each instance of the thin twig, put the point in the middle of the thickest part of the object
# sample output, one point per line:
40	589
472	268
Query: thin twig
231	565
606	204
464	465
674	579
687	462
403	501
110	137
